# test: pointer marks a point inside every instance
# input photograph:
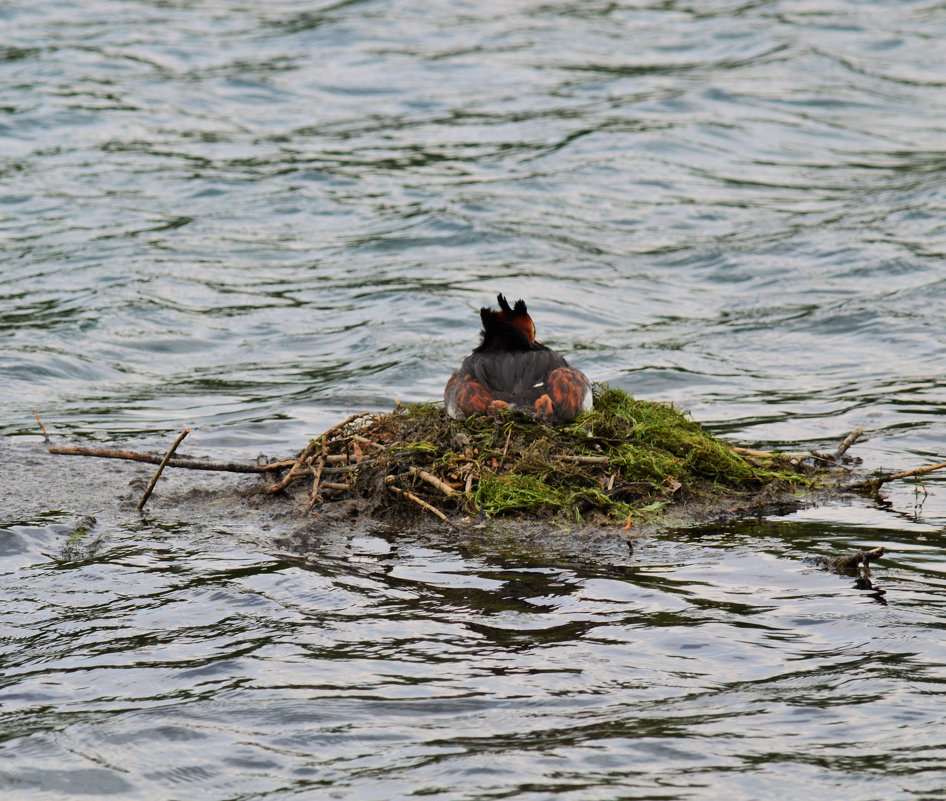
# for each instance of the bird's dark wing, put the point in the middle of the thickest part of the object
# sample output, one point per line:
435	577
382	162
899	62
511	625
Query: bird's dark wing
515	376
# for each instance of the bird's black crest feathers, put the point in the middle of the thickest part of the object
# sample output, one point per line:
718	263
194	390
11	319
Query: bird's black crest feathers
506	329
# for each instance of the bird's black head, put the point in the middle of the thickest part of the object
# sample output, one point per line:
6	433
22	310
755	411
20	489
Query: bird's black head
510	328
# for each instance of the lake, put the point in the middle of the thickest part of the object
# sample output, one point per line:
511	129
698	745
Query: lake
255	219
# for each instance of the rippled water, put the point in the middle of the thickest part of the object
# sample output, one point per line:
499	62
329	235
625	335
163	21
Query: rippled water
253	219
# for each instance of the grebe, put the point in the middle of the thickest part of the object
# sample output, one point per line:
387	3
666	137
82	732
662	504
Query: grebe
511	370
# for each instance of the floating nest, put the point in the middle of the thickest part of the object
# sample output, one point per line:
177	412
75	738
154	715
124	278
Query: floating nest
631	462
627	461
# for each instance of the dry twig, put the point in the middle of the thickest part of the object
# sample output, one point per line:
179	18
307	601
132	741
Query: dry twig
188	464
431	479
366	441
305	458
315	496
876	483
41	426
849	440
585	459
294	471
389	481
160	470
506	446
751	452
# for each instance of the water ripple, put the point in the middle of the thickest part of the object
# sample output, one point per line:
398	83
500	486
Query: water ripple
255	219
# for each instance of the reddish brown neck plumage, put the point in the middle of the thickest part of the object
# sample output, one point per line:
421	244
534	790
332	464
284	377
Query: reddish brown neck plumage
511	328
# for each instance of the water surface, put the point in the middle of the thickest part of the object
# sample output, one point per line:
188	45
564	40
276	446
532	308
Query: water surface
254	219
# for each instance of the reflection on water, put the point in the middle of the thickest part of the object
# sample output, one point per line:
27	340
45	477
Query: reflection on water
253	219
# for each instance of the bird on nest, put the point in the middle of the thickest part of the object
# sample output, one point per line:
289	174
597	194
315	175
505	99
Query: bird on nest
511	370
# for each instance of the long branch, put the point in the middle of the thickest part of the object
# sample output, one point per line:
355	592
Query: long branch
833	458
189	464
876	483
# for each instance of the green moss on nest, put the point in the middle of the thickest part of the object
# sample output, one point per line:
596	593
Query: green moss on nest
624	458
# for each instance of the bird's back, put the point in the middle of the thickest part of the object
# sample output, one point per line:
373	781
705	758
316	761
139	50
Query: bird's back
516	377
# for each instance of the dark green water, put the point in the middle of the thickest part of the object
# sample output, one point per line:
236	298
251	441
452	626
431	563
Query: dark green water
253	219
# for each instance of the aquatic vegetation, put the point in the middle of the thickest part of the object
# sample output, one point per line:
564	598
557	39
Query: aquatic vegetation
627	459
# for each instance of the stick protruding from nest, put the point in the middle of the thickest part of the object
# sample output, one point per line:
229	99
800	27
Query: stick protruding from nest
874	484
160	470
